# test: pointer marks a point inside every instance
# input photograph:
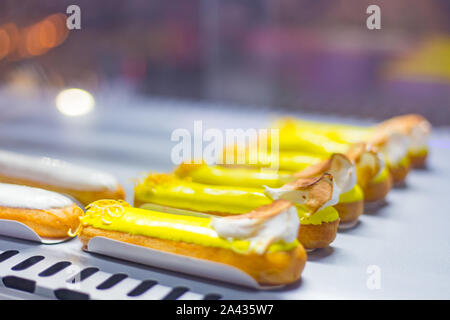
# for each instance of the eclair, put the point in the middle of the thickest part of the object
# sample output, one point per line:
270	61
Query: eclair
48	213
402	139
262	243
351	197
83	184
372	176
324	139
314	199
416	128
349	207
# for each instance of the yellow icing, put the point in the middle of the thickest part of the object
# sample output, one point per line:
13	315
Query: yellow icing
327	214
119	216
245	177
310	142
353	195
184	194
297	161
421	152
318	138
404	163
382	176
345	133
178	193
291	130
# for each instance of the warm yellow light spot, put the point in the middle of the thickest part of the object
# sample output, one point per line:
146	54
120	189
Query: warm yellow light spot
74	102
5	43
58	20
32	44
47	34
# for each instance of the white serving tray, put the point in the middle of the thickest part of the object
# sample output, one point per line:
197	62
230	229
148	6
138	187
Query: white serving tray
188	265
16	229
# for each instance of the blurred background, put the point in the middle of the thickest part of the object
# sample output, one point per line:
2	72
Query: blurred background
143	68
314	56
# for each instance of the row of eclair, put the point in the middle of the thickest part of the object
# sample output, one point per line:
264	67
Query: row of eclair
258	221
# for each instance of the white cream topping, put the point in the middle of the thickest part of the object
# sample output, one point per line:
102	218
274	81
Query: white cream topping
345	178
260	232
381	163
419	137
299	197
54	172
396	148
334	197
15	196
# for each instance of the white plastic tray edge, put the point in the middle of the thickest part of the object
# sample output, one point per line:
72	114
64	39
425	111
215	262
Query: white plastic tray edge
16	229
188	265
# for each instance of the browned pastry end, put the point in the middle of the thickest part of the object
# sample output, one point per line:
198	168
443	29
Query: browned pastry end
399	174
376	191
314	236
48	223
349	212
418	162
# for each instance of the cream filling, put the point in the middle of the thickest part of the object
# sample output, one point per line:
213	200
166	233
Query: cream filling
396	148
345	178
334	197
419	138
299	197
15	196
382	164
261	233
54	172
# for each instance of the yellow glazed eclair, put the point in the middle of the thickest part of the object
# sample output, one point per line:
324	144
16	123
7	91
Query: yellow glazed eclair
296	135
351	198
349	207
314	199
402	140
49	214
83	184
416	128
262	243
371	173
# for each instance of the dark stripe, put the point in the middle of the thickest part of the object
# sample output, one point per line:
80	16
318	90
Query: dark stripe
54	269
84	274
176	293
19	284
67	294
111	281
142	288
7	254
27	263
212	296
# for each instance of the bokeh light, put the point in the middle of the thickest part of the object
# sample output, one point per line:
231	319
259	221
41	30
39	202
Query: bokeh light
32	40
75	102
5	43
47	34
